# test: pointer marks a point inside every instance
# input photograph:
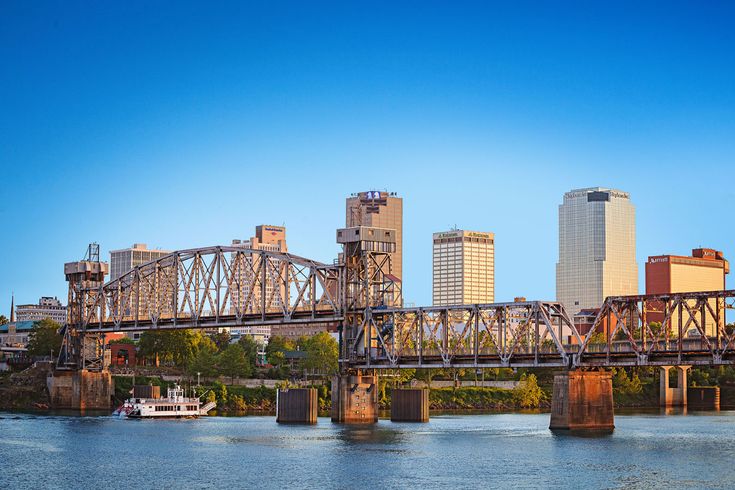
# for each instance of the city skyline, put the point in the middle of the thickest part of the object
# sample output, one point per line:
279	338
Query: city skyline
186	135
640	262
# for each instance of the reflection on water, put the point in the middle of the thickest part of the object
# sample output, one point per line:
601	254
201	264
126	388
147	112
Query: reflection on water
647	450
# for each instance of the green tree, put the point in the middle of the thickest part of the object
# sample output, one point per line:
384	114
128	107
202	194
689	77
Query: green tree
174	346
597	339
4	320
220	392
625	385
275	354
221	340
528	394
232	362
426	375
204	362
250	347
278	343
124	340
322	353
44	338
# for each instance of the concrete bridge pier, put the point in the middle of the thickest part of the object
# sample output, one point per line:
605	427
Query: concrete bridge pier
297	406
583	401
409	405
355	399
677	396
81	390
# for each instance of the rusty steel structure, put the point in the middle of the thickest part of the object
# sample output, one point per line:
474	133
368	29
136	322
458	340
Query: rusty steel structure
213	287
521	334
218	287
224	286
693	329
541	334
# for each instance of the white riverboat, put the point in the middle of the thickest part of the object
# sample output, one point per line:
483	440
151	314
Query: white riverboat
174	405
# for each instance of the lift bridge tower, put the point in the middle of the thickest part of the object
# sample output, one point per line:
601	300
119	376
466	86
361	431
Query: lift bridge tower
80	350
81	380
368	282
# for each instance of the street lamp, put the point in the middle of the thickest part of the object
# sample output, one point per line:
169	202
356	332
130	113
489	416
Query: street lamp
198	373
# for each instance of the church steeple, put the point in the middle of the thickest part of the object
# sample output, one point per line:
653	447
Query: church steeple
12	307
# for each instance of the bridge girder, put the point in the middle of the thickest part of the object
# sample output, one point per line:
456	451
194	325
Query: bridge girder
541	334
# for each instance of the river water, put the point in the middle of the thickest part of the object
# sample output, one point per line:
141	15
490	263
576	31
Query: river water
452	451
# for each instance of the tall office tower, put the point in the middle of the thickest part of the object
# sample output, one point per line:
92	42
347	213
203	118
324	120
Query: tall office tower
464	268
126	259
596	248
379	210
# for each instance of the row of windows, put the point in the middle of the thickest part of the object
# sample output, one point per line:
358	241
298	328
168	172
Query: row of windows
174	408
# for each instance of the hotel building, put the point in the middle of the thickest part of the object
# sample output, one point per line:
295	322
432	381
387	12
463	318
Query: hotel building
463	267
705	270
596	248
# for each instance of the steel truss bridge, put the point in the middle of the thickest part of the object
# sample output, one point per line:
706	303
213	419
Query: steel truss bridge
223	286
210	288
653	330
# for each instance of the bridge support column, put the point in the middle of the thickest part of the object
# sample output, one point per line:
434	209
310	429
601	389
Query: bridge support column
582	400
409	405
355	399
81	390
297	406
673	397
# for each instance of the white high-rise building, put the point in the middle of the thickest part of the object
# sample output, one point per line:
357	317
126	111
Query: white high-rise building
270	238
47	307
126	259
596	248
463	268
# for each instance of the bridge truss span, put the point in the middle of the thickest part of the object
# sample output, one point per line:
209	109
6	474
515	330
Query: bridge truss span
215	286
532	333
662	329
648	330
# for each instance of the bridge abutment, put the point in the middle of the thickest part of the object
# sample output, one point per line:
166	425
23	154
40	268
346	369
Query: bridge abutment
355	399
297	406
582	400
409	405
81	390
677	396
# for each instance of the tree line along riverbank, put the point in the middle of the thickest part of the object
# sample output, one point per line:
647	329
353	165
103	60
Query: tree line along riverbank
633	388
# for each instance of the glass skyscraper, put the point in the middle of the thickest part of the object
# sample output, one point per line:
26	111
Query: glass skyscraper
596	248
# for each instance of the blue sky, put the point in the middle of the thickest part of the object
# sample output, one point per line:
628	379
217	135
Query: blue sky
185	124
